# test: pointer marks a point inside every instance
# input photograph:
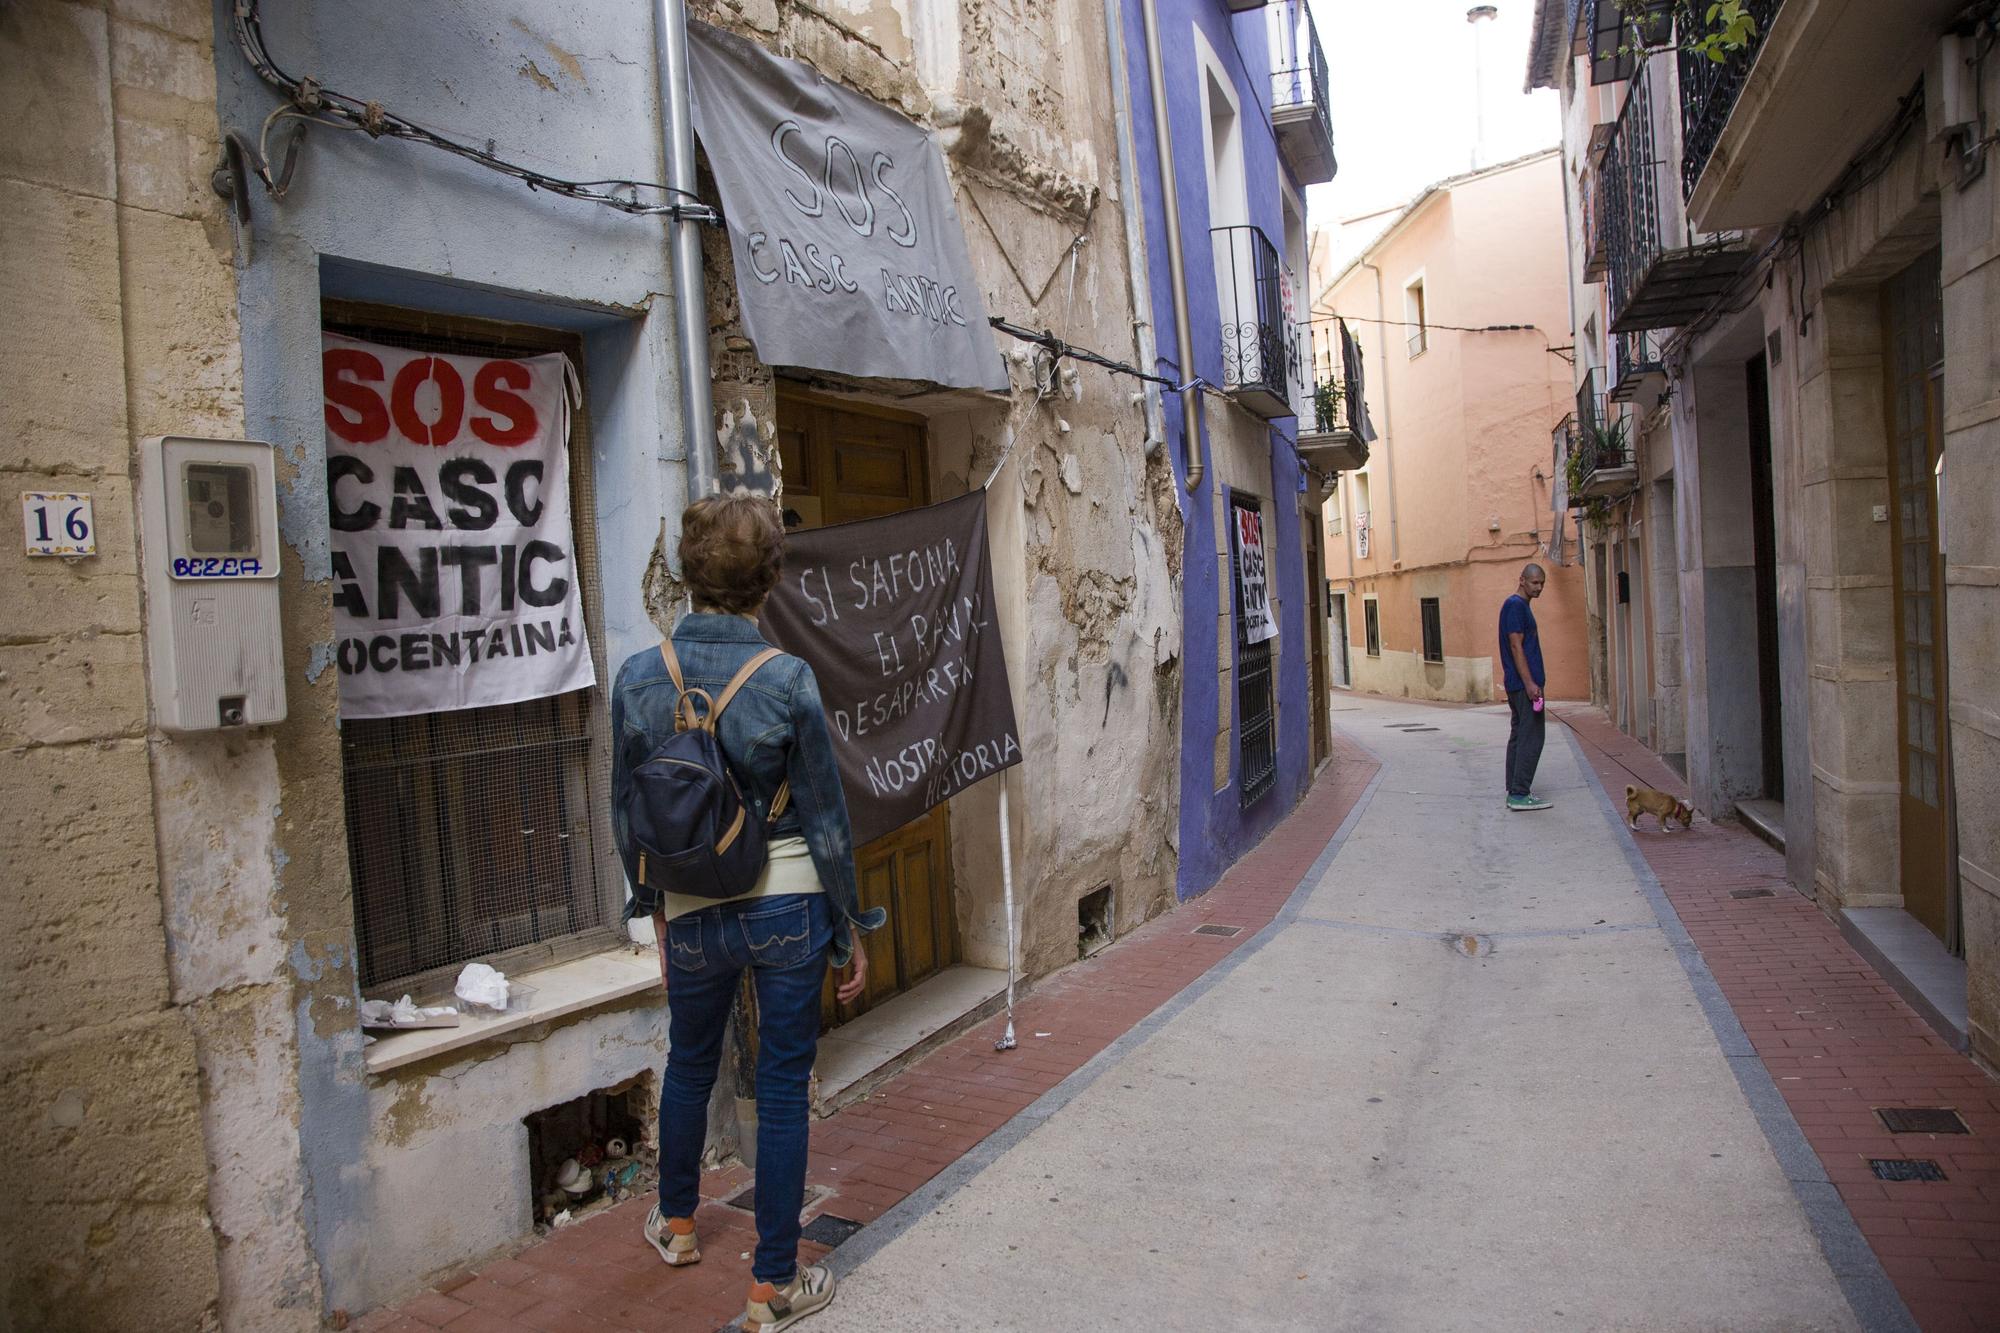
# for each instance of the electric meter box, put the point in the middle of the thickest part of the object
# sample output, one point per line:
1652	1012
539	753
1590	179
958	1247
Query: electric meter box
209	521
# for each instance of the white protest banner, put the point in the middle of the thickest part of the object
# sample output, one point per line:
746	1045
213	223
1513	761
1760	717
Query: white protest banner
1252	577
454	564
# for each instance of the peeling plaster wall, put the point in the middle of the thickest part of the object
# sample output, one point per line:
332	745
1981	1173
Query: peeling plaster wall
363	1204
112	229
1083	525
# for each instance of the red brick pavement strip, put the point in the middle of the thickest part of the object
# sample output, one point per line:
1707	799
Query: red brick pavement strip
1839	1042
599	1275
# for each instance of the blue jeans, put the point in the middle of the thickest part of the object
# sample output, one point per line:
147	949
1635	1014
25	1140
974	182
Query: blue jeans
783	940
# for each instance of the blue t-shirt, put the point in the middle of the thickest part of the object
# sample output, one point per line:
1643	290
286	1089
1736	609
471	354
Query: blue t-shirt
1517	618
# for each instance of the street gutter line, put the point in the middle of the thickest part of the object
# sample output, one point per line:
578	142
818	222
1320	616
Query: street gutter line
1870	1293
870	1240
1495	936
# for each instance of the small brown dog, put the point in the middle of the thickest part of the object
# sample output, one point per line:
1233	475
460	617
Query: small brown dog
1646	801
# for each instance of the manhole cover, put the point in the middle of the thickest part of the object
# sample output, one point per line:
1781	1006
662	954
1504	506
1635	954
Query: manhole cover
1750	893
1224	931
1922	1120
1905	1168
828	1230
746	1198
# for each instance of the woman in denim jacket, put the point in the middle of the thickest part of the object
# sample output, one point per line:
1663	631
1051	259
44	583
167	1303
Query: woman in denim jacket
804	909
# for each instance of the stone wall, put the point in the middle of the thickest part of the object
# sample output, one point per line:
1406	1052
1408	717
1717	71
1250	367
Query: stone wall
116	322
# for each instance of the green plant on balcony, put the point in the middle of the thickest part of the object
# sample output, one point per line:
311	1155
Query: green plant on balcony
1600	444
1327	397
1717	30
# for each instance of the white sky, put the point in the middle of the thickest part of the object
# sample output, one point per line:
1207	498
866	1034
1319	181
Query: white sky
1401	76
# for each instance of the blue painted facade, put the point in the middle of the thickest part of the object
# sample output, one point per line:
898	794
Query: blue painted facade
1216	828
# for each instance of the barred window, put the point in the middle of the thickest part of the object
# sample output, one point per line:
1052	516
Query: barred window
1371	621
483	833
1433	629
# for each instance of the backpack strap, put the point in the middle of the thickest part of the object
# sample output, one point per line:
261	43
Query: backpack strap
742	678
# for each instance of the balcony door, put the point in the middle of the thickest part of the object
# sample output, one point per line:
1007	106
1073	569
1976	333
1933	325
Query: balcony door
1913	338
843	461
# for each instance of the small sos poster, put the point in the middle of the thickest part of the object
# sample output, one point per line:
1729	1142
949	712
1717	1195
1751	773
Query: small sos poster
1253	575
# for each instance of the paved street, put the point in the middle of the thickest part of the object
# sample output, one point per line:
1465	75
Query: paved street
1463	1081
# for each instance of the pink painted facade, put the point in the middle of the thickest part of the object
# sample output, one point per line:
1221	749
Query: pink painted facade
1458	489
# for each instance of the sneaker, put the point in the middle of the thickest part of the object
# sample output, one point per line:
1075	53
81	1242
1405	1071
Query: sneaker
1530	802
773	1307
673	1237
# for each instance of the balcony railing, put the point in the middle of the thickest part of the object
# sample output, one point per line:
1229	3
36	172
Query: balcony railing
1603	435
1636	368
1328	439
1660	275
1709	89
1259	351
1300	111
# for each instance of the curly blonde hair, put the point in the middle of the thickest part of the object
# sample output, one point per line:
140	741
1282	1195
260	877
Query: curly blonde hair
732	549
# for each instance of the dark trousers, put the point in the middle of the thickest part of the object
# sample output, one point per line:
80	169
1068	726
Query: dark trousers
1524	742
783	941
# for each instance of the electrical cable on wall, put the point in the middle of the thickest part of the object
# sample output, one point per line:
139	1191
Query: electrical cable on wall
312	103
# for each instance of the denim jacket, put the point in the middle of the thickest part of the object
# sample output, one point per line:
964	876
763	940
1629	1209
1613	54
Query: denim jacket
774	729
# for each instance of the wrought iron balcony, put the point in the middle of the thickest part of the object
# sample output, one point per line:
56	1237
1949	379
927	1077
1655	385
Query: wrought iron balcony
1637	374
1328	439
1259	349
1660	274
1603	437
1709	89
1300	114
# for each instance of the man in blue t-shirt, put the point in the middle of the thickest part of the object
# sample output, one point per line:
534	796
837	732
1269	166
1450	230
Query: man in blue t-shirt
1521	663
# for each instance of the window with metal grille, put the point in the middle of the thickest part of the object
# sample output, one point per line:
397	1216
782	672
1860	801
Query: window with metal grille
1433	629
483	833
1256	703
1371	623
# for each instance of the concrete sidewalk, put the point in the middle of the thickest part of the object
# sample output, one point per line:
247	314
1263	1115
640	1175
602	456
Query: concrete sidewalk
1464	1080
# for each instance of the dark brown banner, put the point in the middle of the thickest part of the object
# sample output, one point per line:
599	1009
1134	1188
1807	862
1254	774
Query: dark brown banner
895	616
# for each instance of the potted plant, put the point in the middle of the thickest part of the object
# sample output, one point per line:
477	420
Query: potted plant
1327	396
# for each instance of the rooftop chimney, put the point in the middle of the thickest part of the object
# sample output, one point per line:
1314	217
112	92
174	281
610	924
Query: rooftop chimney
1478	16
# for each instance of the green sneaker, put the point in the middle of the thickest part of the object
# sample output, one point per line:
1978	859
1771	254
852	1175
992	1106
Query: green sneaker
1526	803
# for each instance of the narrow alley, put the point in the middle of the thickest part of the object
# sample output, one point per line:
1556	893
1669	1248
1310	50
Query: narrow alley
1454	1069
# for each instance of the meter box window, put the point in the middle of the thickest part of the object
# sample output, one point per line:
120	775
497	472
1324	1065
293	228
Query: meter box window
210	522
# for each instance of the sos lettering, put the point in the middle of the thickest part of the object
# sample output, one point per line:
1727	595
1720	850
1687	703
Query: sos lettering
360	413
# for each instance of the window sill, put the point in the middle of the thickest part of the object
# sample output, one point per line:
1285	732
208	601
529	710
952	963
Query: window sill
564	989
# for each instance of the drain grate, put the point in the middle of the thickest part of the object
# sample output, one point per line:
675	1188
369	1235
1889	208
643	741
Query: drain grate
1411	731
1905	1168
1751	893
1922	1120
746	1198
1224	931
828	1230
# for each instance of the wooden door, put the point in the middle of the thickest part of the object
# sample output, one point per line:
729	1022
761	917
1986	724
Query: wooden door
843	461
1914	342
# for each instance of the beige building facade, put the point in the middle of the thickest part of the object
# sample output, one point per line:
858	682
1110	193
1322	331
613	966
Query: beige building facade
1800	309
199	914
1458	307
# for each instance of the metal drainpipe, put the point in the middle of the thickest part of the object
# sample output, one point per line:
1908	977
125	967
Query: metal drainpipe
670	51
1388	413
1163	136
1135	234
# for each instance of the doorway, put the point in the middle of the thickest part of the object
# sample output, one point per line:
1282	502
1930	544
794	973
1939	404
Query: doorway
1913	337
1315	558
1345	665
1764	538
844	461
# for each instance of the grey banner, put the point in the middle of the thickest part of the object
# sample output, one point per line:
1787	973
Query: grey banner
849	255
895	617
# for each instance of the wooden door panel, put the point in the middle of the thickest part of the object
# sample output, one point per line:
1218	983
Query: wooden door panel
840	465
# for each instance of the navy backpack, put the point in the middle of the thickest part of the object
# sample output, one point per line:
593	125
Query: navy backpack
690	826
